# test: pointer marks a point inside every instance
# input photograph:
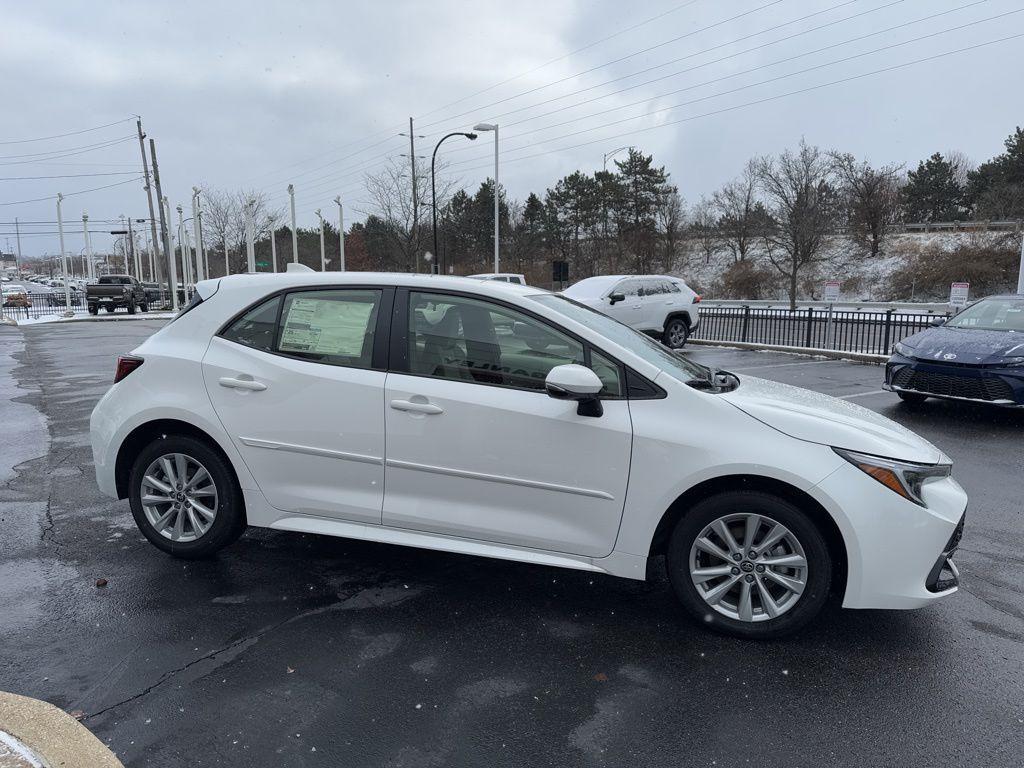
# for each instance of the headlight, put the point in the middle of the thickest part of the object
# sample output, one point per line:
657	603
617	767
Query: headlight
903	477
902	349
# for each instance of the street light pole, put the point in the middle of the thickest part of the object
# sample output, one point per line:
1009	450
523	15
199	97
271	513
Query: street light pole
63	259
295	236
88	247
273	244
172	263
497	208
433	189
250	234
197	230
341	232
323	255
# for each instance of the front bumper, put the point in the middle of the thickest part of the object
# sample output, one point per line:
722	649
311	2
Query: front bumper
988	385
893	545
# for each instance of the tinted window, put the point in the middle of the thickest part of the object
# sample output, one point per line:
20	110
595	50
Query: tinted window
334	327
992	315
255	328
470	340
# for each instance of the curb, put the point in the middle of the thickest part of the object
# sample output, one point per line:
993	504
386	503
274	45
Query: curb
832	354
115	319
51	735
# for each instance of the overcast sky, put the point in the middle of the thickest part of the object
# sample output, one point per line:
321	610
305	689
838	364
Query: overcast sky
258	94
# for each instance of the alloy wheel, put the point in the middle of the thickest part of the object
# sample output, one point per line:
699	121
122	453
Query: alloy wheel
179	497
677	335
748	567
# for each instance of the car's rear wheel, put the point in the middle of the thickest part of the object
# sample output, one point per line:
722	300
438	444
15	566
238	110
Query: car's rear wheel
676	333
749	564
911	398
131	307
185	498
144	307
93	309
109	307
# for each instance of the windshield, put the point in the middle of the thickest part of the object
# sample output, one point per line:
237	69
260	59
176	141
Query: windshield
639	344
992	315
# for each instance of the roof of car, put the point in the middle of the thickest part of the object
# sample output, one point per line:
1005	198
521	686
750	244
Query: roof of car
591	284
273	281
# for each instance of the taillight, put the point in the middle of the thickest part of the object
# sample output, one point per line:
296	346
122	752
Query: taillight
696	299
125	365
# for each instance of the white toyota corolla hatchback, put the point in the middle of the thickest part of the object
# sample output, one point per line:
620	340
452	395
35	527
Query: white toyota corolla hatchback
499	420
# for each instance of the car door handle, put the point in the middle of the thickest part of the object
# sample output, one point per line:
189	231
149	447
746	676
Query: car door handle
247	384
427	408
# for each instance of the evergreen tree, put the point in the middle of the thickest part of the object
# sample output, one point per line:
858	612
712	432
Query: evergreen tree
932	193
996	188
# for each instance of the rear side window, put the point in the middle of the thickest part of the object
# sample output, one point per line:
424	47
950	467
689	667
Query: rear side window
256	327
334	327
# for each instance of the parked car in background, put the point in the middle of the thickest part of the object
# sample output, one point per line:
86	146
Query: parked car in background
57	297
114	291
502	277
658	305
154	294
412	409
977	356
15	296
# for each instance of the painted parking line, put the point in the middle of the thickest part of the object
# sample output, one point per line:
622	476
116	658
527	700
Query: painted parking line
782	365
864	394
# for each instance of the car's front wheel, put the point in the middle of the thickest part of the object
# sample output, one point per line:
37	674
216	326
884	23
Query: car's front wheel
185	498
676	333
749	564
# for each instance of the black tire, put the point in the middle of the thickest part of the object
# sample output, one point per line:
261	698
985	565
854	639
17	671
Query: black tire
93	309
817	576
676	332
144	307
109	308
229	522
131	307
912	399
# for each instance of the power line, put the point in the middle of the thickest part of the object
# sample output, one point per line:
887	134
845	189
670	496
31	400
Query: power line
609	63
750	103
555	60
72	194
71	154
66	176
64	149
70	133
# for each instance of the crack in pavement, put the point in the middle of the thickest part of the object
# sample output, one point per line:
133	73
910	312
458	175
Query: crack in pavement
240	645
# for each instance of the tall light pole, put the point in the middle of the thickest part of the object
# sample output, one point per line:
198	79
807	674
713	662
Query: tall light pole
323	254
186	271
295	235
64	259
250	234
433	189
341	232
197	230
88	247
172	263
494	127
273	242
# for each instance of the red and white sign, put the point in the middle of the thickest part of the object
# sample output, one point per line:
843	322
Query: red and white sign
831	291
958	293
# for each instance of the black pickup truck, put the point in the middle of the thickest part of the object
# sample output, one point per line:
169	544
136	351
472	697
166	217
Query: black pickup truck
113	291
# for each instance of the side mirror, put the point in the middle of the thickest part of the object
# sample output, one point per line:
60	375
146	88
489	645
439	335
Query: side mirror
615	298
937	321
576	382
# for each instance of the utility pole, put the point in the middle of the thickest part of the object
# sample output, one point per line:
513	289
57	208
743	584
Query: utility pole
197	229
131	252
323	254
341	229
64	259
149	190
415	200
295	236
89	270
17	234
165	235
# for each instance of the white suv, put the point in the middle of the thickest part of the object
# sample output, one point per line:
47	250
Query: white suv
504	421
662	306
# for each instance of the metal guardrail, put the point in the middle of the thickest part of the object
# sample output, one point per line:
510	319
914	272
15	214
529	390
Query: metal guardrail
961	226
36	305
810	328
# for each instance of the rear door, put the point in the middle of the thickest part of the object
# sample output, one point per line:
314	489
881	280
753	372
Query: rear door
477	449
298	383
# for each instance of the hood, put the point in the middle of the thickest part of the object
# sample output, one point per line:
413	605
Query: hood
968	346
818	418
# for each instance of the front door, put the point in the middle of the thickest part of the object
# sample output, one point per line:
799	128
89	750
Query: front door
631	310
302	401
475	446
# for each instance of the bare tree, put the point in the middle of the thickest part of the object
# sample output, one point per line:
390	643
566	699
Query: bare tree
391	200
872	198
962	166
802	202
742	216
671	213
224	225
703	229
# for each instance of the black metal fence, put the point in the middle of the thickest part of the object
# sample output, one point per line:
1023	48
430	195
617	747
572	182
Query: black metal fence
814	328
35	305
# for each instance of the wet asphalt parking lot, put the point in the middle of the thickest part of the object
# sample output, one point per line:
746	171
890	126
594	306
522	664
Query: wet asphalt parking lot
297	650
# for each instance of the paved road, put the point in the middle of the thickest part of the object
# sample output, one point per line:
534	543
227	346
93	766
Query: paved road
294	650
